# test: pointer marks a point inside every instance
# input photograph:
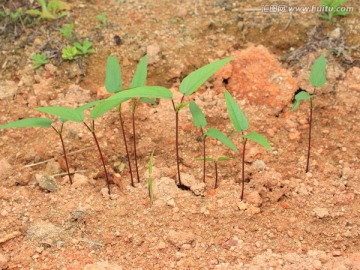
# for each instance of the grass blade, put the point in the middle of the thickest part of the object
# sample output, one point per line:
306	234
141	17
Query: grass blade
65	114
29	122
216	134
195	79
237	117
318	72
140	75
258	138
197	115
113	80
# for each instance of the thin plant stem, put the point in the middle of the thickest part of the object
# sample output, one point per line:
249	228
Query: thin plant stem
216	174
126	147
243	170
309	142
204	153
134	140
64	150
177	138
92	130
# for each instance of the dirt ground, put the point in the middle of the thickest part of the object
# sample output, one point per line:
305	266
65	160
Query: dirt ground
289	219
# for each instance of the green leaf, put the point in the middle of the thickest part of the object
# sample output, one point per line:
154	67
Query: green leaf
151	163
113	81
216	134
29	122
224	159
258	138
88	105
139	92
195	79
197	115
318	72
65	114
181	106
237	117
140	75
303	95
148	100
206	159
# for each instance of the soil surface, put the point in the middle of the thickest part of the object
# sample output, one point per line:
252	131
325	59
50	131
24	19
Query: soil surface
289	219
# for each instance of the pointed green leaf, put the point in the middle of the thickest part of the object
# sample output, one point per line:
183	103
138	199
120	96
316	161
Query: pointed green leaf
29	122
181	106
303	95
258	138
195	79
216	134
139	92
65	114
197	115
88	105
148	100
140	75
113	81
237	117
318	72
224	159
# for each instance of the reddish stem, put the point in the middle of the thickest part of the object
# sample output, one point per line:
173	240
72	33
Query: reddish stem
309	142
92	130
134	140
126	147
64	151
204	153
177	138
243	170
216	174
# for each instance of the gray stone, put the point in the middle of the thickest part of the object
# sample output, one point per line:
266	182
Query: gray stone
259	165
47	182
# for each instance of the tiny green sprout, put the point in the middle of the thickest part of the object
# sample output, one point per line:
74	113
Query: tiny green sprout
241	124
215	161
53	10
317	79
84	48
69	53
187	87
67	30
200	122
332	9
102	19
39	60
150	180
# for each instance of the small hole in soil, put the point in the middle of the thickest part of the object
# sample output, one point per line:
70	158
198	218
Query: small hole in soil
225	81
183	187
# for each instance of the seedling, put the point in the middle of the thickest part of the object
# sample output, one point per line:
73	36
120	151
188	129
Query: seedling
39	60
84	48
122	96
215	161
187	87
69	53
67	30
241	124
200	122
102	19
53	10
150	180
333	9
317	79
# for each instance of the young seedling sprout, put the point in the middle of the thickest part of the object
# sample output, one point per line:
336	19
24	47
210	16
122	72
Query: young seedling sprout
123	96
200	122
187	87
113	84
317	79
215	161
241	124
150	180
